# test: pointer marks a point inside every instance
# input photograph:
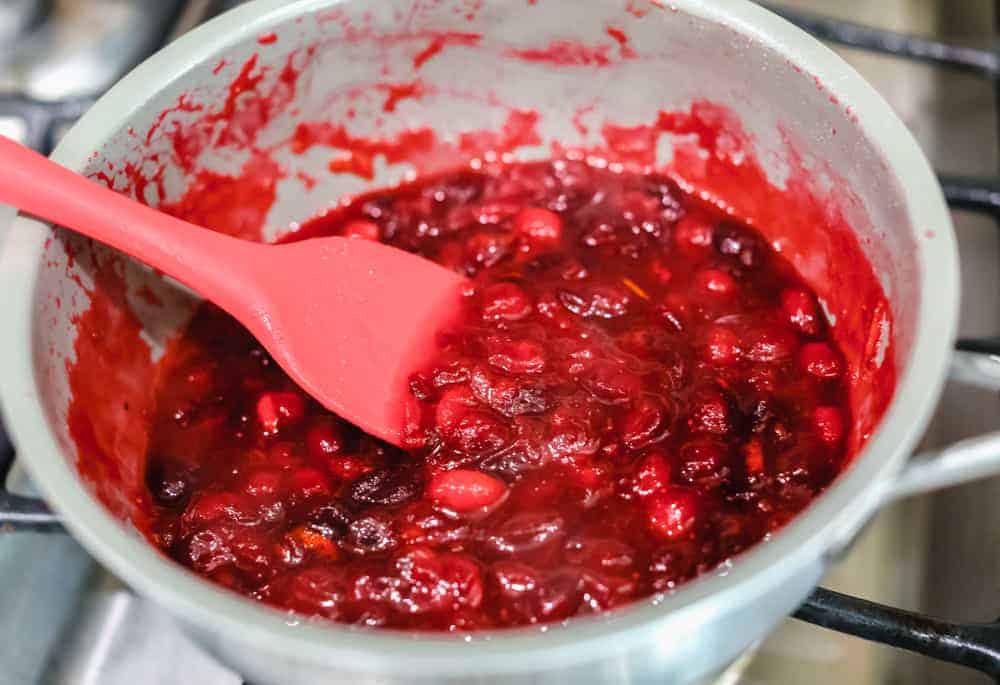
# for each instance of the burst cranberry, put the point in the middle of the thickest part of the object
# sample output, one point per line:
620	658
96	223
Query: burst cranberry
820	360
505	301
644	424
465	491
674	513
539	226
478	433
516	356
277	410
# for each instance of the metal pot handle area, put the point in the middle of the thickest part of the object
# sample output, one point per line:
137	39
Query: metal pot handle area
974	645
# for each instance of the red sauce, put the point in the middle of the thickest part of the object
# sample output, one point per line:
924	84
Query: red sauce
640	389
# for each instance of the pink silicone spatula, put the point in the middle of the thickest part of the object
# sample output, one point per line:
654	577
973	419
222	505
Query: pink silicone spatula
348	319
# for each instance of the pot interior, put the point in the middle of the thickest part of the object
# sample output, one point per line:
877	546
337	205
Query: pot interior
363	95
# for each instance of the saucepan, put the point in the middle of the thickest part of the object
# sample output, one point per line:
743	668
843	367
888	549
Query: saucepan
529	77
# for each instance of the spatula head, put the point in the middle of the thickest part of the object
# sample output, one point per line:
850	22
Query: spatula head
350	321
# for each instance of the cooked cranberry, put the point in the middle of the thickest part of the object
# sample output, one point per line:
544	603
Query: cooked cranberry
307	482
365	230
505	301
653	475
753	453
645	423
516	356
820	360
704	462
722	346
514	580
710	414
828	422
611	383
277	410
770	344
325	438
348	467
321	590
800	307
454	404
674	513
478	433
539	226
465	491
605	302
715	281
212	506
525	532
264	483
693	231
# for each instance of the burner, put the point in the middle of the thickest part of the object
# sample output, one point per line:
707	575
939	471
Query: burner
19	17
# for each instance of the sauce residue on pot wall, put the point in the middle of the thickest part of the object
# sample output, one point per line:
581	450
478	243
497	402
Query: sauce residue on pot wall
713	160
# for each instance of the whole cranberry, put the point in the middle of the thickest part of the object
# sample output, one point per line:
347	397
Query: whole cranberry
541	227
819	359
278	410
465	490
800	309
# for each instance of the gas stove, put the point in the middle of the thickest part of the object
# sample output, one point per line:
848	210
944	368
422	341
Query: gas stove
65	620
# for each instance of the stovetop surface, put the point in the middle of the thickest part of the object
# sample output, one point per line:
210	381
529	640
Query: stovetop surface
66	621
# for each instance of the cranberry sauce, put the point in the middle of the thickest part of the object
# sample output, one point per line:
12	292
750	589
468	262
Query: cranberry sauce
640	388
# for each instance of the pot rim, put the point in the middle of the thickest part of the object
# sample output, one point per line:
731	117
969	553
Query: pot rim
828	521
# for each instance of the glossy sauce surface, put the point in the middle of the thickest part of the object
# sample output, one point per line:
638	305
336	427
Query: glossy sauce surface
639	389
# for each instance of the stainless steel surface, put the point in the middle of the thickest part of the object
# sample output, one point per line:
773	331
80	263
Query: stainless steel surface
925	554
